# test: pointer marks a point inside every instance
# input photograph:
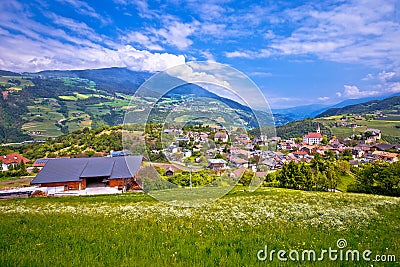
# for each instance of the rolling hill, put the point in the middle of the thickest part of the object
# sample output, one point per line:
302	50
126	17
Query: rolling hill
50	103
391	104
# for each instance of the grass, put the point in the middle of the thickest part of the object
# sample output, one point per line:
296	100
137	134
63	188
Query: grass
68	97
387	126
24	82
49	115
134	229
345	180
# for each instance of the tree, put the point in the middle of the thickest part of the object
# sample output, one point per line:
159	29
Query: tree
321	180
347	154
324	140
246	178
332	177
330	155
307	180
343	166
22	166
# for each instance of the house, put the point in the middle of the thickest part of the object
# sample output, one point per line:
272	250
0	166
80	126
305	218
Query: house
385	147
39	163
238	162
240	152
80	173
203	137
313	137
173	149
184	139
372	135
217	164
237	173
300	154
11	160
221	137
385	156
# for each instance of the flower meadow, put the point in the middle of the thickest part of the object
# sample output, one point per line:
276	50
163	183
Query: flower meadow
136	230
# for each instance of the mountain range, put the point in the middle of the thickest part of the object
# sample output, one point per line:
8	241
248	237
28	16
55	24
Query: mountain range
65	100
316	110
390	104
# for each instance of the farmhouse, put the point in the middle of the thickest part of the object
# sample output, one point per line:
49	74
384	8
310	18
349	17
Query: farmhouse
79	173
11	160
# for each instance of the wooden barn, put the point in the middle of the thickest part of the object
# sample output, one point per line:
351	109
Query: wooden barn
79	173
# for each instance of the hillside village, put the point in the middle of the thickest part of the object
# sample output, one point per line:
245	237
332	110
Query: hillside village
241	151
213	149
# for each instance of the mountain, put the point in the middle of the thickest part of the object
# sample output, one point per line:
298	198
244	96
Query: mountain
313	110
8	73
301	112
349	102
50	103
387	104
118	79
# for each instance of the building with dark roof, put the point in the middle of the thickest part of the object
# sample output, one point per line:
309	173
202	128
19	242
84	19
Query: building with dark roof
79	173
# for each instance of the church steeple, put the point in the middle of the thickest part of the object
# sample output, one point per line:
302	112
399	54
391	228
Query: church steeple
318	129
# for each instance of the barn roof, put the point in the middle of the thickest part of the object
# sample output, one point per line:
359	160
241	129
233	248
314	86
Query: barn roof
75	169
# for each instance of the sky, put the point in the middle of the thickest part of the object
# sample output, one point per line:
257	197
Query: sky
296	52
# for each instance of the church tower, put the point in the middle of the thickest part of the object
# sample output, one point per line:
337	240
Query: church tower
318	129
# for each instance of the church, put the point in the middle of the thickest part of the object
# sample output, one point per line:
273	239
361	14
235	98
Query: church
313	137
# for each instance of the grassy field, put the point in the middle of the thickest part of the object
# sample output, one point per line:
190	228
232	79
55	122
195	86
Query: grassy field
23	82
136	230
387	126
46	122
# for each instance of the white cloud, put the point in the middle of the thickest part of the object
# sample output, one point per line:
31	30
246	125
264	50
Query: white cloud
324	98
176	34
208	55
148	42
260	74
27	45
385	76
187	73
352	91
238	54
348	31
263	53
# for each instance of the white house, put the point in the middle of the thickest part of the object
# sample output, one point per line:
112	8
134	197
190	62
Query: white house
221	136
313	137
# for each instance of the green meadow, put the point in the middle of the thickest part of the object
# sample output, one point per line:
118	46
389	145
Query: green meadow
135	230
389	126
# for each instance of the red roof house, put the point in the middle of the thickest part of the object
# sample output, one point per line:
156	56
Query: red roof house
12	159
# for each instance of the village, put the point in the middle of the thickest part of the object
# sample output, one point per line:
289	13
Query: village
229	150
196	148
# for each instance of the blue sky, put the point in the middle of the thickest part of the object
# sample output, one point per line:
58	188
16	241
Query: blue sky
297	52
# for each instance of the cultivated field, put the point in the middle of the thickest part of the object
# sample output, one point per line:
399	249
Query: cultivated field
135	230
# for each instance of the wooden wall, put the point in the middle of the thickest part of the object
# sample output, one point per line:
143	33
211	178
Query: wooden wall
71	185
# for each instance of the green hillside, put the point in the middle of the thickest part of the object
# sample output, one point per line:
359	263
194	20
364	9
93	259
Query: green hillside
389	105
299	128
50	103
